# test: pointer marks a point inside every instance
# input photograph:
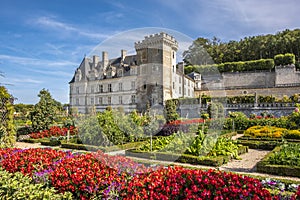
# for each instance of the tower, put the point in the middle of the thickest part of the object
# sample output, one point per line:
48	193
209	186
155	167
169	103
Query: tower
156	57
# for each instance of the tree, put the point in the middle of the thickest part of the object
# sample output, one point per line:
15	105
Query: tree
44	111
170	111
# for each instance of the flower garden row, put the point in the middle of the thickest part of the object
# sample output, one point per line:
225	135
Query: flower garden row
96	175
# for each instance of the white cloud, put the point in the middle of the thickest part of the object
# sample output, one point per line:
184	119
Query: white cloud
36	62
49	22
232	19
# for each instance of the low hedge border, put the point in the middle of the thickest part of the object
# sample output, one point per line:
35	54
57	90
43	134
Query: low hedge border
264	166
96	148
214	161
51	142
30	140
267	139
264	145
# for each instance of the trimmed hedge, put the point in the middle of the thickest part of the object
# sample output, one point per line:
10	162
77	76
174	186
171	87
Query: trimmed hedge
254	144
284	59
96	148
264	166
215	161
18	186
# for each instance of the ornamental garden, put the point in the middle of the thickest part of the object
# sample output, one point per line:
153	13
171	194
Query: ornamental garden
75	161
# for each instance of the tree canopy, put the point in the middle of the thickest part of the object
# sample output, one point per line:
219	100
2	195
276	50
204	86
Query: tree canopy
44	111
208	51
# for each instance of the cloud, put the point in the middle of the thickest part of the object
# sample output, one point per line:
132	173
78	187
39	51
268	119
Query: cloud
36	62
232	19
50	23
25	80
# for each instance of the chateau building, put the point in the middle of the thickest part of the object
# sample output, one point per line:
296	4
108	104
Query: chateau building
133	82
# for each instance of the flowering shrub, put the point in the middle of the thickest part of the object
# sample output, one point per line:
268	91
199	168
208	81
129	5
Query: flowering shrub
181	183
272	132
54	131
178	125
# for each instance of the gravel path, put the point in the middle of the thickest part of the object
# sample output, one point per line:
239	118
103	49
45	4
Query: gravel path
248	162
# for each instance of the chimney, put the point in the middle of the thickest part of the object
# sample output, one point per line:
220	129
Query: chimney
104	59
123	54
95	60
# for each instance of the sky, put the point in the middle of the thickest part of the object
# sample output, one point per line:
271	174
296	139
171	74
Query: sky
42	42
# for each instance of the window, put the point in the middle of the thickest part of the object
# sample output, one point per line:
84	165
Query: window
184	91
133	71
100	100
120	100
92	89
120	73
109	88
173	68
132	98
109	100
173	85
120	86
173	55
109	74
92	101
101	88
188	82
133	85
77	90
179	79
189	92
77	101
179	90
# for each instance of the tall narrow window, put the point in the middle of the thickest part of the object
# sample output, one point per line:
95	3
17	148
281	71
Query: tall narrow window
109	100
77	102
92	101
120	100
109	88
100	88
100	100
77	90
133	85
132	98
120	86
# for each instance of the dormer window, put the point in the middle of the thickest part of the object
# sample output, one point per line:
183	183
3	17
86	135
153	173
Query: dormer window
120	72
109	74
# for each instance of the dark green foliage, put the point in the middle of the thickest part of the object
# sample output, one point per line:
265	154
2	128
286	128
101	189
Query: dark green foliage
248	48
216	110
170	111
44	111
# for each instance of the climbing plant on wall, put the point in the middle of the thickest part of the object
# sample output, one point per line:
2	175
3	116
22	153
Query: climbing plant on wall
7	129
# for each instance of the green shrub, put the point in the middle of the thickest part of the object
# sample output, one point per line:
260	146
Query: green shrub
18	186
285	59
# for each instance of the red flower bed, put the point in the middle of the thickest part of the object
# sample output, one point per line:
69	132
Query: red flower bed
54	131
97	174
29	161
189	121
181	183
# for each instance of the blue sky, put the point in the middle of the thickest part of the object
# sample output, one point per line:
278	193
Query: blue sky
42	42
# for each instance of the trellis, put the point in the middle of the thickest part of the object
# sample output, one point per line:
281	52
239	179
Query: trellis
3	109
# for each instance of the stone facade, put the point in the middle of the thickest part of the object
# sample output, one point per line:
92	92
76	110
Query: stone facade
284	80
131	81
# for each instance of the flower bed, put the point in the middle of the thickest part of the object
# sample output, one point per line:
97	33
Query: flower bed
97	175
283	160
54	131
271	132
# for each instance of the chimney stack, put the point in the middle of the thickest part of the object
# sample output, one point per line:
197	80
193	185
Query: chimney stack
104	59
95	60
123	54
